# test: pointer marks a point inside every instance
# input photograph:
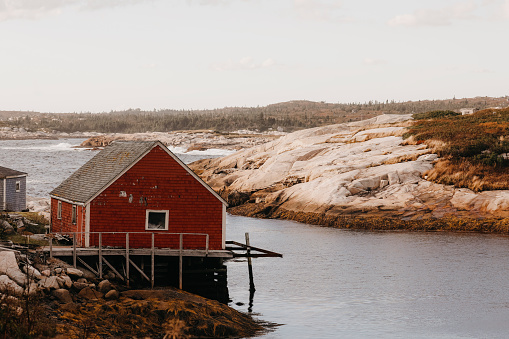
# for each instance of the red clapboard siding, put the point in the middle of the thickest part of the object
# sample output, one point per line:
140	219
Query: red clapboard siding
65	225
156	182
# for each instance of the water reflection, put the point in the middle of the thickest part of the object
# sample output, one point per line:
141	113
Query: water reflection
333	283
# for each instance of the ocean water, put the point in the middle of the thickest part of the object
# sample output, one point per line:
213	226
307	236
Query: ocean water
334	283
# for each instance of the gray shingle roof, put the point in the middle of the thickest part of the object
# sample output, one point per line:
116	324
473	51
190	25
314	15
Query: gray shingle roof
7	172
99	171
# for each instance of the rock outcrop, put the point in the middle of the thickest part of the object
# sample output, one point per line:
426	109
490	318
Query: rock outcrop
362	168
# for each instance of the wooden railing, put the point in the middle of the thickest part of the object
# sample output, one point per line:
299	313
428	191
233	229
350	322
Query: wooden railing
127	248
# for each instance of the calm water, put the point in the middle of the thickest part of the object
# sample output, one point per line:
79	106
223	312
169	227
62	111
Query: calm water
334	283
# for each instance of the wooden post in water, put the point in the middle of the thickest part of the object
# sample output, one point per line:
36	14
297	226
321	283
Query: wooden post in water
249	264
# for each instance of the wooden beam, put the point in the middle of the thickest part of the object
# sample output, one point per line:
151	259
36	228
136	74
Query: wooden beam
113	269
139	269
86	265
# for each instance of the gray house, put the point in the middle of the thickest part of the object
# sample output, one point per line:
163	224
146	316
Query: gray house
13	195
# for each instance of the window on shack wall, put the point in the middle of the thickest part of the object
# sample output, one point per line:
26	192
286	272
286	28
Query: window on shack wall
73	214
156	220
18	186
59	210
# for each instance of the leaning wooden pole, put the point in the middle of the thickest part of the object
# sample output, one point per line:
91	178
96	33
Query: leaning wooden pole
249	264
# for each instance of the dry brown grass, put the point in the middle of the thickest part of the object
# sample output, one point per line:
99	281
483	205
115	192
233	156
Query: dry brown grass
473	149
182	316
476	177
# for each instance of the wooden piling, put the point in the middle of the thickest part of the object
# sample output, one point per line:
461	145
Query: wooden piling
127	264
249	264
180	259
74	249
152	262
100	256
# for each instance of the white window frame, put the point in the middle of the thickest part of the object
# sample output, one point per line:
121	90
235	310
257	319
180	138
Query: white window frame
74	215
59	210
18	186
166	220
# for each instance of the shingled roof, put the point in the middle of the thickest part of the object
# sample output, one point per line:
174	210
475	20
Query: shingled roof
10	173
109	164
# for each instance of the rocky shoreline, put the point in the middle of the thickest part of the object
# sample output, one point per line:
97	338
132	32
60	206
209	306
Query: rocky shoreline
47	297
359	171
52	298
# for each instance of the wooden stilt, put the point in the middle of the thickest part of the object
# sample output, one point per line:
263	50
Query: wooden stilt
180	259
152	262
100	268
139	269
113	269
74	249
127	258
87	266
249	264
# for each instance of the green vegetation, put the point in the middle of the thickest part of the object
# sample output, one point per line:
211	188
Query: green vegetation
289	116
474	149
434	114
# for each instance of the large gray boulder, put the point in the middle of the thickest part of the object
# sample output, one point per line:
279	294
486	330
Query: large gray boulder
9	266
49	283
7	285
32	272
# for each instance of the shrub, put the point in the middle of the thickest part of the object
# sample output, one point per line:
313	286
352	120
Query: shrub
434	114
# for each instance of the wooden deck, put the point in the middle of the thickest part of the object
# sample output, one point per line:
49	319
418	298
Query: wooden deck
105	254
67	251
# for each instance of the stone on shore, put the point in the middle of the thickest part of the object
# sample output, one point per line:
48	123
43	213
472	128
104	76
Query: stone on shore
7	285
104	286
90	294
49	283
62	295
112	295
74	272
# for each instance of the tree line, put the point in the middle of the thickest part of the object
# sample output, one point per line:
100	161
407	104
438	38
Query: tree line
287	116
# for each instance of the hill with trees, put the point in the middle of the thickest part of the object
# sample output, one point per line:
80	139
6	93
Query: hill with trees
287	116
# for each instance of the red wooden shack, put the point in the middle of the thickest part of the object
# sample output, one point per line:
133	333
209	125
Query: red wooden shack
139	187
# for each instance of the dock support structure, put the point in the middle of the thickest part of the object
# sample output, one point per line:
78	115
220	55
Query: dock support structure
249	265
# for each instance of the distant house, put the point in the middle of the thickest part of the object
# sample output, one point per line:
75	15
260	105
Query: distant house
12	190
143	188
465	111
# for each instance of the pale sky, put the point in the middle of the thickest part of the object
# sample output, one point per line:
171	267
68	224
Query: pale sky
102	55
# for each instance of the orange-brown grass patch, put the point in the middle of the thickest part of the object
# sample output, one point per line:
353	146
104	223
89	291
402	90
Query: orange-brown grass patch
477	177
149	314
473	148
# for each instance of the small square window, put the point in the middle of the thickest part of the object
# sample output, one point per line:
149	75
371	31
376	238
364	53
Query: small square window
157	220
74	214
59	210
18	186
